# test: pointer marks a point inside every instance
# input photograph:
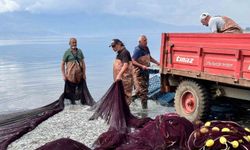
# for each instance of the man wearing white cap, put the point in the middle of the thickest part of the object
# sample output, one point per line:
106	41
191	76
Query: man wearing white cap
220	24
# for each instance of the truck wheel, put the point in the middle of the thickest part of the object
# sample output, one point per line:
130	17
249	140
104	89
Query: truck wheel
191	100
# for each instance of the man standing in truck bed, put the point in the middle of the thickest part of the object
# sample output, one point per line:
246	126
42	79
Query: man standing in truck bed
220	24
141	60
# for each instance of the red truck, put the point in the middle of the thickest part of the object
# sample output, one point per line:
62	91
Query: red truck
204	66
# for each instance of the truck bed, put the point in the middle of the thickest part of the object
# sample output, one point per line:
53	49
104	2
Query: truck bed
223	58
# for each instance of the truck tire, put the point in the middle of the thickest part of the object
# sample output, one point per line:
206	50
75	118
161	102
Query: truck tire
191	100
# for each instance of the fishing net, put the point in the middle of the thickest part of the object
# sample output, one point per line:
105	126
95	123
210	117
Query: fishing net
79	91
166	131
13	126
16	125
216	135
64	144
127	132
113	108
173	132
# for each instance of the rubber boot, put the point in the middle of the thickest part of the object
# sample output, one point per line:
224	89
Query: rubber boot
73	102
83	101
134	97
144	104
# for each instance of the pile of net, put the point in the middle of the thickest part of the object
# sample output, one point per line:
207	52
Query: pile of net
73	92
114	109
165	131
216	135
13	126
128	132
64	144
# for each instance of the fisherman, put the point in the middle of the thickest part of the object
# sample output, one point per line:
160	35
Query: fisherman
220	24
122	68
73	71
141	61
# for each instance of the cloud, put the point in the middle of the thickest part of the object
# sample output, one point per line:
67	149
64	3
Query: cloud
180	12
8	6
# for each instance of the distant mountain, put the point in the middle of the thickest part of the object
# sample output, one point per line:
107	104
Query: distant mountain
247	29
25	25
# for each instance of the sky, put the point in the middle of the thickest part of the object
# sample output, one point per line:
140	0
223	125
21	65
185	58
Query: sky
52	20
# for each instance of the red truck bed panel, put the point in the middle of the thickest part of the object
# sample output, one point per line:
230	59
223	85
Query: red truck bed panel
217	57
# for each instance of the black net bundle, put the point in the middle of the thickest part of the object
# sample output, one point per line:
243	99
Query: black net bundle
216	135
78	91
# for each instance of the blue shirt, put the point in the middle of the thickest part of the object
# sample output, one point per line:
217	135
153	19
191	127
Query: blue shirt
139	52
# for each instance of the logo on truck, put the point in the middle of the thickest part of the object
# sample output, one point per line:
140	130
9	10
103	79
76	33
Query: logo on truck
219	64
184	59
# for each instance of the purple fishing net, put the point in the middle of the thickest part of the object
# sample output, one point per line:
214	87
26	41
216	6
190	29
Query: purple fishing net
114	109
18	124
64	144
127	132
79	91
168	131
15	125
86	96
165	132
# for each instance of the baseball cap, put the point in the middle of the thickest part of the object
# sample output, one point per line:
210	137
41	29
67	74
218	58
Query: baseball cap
204	15
115	41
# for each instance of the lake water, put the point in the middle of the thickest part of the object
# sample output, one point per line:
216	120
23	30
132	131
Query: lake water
30	74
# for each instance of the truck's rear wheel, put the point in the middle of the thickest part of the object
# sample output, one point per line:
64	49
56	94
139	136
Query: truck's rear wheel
191	100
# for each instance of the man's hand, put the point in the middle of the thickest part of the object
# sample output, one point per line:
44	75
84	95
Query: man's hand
64	78
118	77
145	68
84	77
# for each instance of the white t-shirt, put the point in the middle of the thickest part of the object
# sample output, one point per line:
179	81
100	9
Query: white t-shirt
216	24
